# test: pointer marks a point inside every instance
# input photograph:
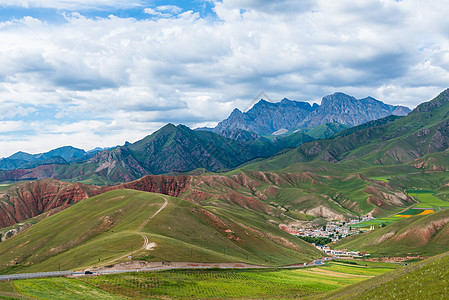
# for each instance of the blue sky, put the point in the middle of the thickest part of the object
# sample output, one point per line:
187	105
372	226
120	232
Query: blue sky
52	11
98	73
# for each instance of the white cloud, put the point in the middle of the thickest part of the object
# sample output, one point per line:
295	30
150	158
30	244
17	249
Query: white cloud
129	76
164	11
72	4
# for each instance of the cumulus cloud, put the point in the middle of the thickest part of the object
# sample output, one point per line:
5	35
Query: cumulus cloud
129	76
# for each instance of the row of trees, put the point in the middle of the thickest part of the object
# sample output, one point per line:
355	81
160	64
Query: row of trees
317	240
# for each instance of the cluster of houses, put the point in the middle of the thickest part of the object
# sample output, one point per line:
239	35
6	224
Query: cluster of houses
341	253
335	230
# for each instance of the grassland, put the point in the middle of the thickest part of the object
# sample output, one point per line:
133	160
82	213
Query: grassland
427	279
103	228
424	235
204	284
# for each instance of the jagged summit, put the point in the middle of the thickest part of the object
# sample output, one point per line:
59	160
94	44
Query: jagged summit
267	118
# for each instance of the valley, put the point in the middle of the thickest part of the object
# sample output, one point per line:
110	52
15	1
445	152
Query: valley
377	188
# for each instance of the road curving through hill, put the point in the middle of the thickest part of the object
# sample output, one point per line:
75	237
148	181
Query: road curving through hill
142	234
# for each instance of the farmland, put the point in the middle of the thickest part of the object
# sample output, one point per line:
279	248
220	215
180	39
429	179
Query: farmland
428	203
424	235
421	280
427	199
204	284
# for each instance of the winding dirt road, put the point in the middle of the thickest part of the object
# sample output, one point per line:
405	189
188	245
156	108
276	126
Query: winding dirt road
142	234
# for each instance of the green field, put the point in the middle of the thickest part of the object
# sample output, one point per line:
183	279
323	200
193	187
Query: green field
422	235
204	284
427	200
427	279
381	178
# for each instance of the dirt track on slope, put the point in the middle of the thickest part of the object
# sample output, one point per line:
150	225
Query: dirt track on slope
139	231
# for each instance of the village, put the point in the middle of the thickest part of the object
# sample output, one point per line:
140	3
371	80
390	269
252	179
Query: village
333	231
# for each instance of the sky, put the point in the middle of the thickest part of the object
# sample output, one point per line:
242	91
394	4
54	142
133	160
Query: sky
98	73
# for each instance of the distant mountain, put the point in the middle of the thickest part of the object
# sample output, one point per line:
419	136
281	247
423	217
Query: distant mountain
392	140
266	118
347	110
62	155
168	150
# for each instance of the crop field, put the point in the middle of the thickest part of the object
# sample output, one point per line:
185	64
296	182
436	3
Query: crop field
414	212
205	284
427	199
428	203
376	222
381	178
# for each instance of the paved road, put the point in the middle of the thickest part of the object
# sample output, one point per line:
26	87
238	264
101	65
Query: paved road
78	273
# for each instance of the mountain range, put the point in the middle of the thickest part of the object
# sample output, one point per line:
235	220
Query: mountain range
266	118
174	149
170	149
264	184
62	155
386	141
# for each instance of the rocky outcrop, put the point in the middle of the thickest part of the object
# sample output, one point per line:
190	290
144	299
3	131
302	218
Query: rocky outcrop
347	110
168	185
29	199
265	117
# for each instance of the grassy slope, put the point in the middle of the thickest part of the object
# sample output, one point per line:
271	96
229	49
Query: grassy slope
325	131
340	194
104	227
419	235
421	280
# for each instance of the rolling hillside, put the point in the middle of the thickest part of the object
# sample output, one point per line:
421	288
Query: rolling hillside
415	236
281	197
295	196
421	280
116	224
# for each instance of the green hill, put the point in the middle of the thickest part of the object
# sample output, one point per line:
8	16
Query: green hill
419	235
420	280
325	131
110	227
293	196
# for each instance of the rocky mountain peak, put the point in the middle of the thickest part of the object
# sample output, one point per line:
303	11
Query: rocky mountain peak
267	118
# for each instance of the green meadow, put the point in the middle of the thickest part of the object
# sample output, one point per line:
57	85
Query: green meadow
203	284
428	279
